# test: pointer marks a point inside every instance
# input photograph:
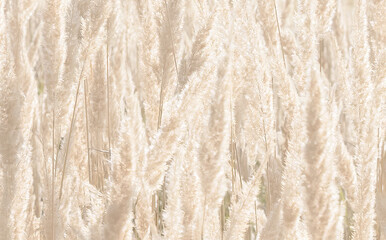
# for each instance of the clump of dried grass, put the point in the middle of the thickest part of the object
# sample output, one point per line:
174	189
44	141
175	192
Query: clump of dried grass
175	119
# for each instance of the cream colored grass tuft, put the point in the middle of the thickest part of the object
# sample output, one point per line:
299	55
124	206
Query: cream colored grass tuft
192	119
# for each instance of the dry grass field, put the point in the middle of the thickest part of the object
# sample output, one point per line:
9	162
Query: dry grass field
192	119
